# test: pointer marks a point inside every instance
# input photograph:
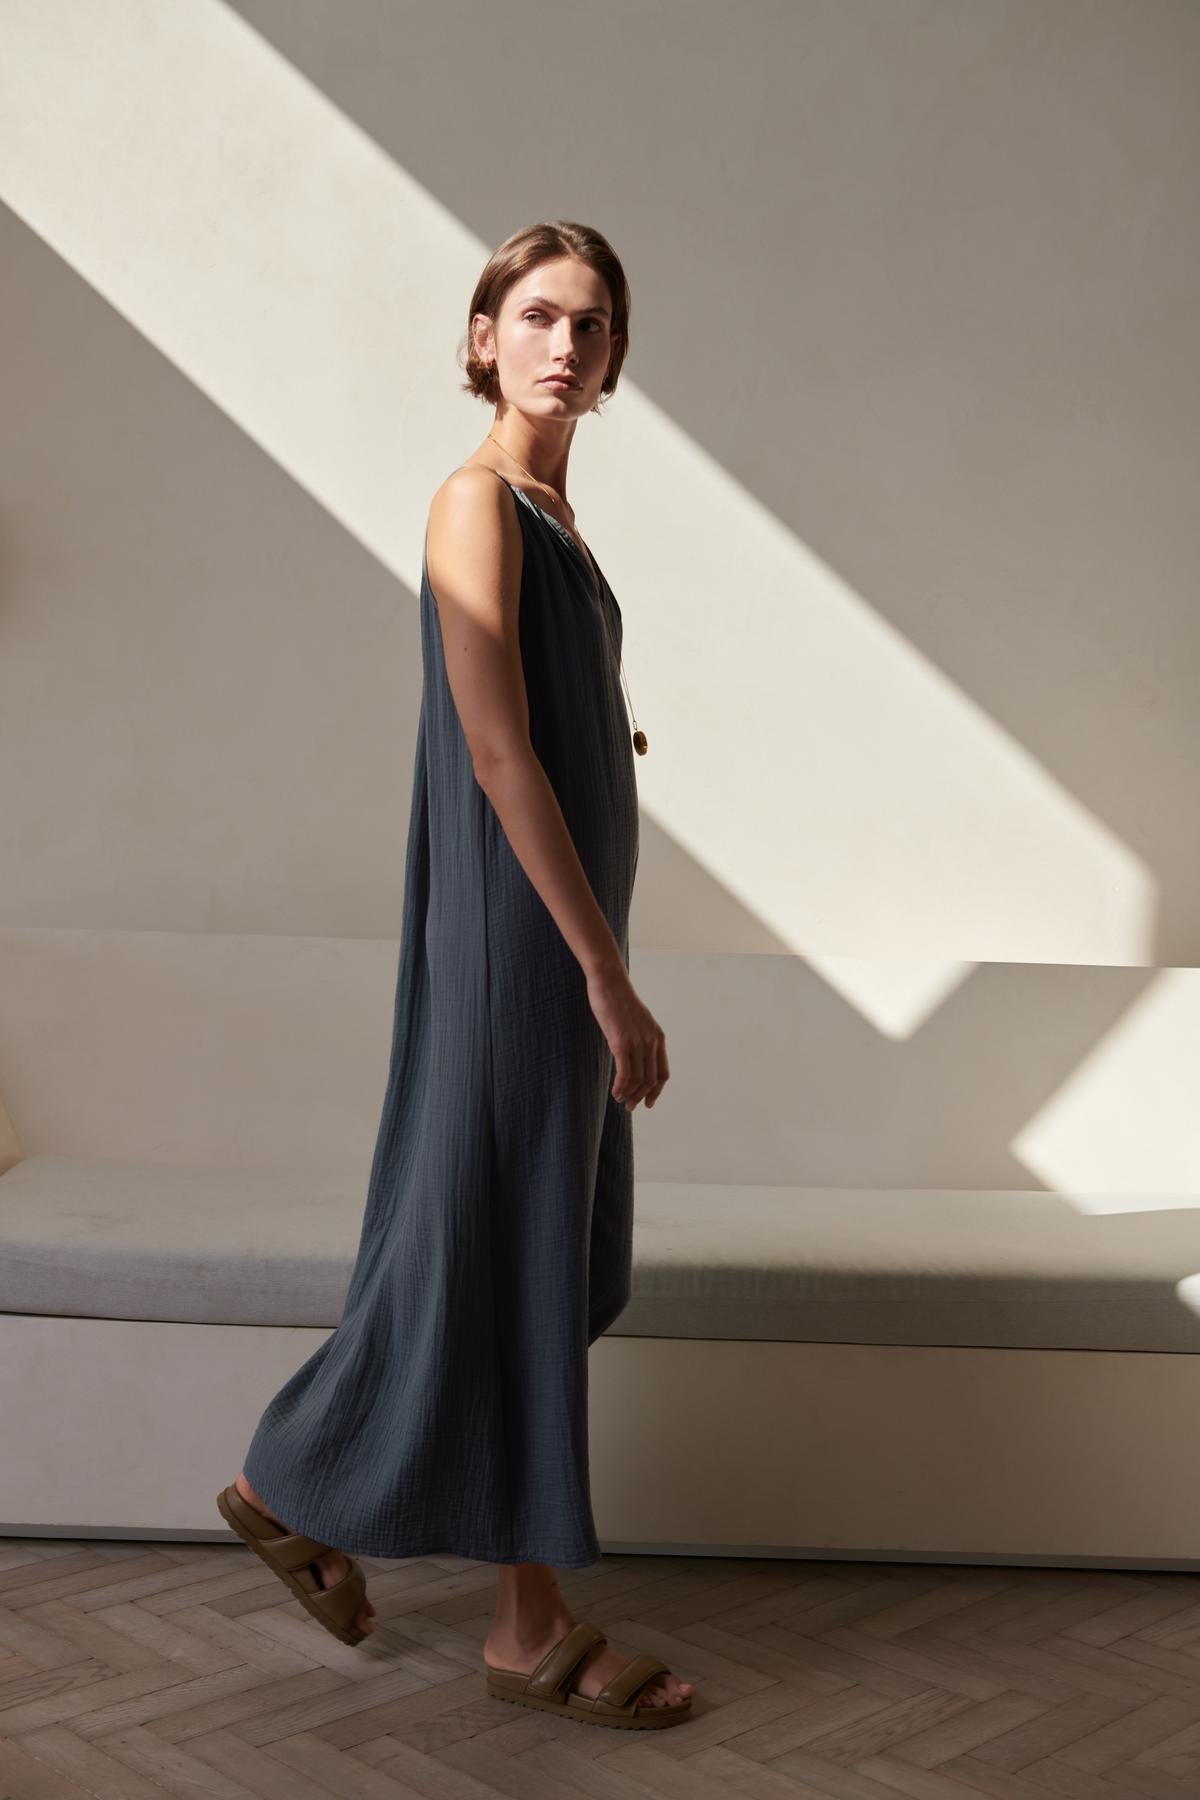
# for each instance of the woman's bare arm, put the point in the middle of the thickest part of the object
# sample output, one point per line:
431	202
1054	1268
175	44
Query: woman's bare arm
474	553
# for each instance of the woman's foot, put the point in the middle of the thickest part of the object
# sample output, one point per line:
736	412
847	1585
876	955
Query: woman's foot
532	1617
330	1567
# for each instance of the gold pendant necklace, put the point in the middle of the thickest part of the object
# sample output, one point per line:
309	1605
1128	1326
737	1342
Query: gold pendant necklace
640	742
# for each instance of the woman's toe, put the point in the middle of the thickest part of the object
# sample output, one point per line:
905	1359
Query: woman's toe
658	1693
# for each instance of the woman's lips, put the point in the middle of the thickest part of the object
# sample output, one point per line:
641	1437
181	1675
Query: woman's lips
558	381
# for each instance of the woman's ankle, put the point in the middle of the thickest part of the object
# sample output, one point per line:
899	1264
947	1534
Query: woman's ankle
530	1606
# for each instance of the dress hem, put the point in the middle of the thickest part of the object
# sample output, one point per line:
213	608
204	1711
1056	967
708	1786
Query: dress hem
311	1526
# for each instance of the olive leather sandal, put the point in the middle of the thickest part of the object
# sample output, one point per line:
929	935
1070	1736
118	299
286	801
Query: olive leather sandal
291	1555
546	1687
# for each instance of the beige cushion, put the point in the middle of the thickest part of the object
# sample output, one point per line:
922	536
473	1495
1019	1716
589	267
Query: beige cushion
102	1239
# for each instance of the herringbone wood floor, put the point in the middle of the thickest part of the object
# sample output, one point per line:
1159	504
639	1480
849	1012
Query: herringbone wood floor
134	1670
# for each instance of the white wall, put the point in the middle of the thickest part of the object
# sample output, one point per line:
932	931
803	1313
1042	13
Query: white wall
897	494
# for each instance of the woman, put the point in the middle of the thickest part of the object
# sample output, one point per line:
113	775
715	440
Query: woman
448	1411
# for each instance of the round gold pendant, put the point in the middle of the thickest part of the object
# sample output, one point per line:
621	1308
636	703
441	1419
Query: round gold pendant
639	743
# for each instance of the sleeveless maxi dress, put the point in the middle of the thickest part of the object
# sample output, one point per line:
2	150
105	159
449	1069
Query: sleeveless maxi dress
448	1411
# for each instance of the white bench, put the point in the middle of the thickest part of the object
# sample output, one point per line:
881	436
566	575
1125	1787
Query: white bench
932	1375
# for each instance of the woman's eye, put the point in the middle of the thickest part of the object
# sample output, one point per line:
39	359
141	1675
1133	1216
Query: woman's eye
534	313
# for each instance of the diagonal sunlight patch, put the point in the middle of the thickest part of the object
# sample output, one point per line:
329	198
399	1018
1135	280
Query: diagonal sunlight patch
1120	1133
800	749
895	994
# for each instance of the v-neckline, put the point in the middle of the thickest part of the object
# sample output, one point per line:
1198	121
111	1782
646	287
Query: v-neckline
566	536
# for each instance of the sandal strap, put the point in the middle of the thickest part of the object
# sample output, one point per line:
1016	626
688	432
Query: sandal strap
341	1602
556	1667
295	1551
290	1550
639	1670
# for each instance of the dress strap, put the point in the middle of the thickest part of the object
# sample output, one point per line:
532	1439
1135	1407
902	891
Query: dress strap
488	466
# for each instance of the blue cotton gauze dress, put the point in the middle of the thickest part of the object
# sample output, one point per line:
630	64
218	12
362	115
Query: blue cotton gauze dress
448	1412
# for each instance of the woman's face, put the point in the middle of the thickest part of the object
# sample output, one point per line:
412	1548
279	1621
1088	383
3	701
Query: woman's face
555	320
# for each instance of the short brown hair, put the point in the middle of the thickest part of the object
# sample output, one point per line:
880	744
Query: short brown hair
513	260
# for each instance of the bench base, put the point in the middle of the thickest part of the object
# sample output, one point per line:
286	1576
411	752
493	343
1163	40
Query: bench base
699	1446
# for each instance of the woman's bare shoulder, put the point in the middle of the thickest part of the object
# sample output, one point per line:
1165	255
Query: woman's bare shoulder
473	530
467	485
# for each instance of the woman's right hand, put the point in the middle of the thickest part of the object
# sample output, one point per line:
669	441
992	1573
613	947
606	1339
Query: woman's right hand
634	1036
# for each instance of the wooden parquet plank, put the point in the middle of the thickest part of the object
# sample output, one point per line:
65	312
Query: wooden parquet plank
92	1766
129	1671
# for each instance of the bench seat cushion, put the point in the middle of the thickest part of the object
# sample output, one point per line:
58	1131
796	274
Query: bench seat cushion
91	1238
